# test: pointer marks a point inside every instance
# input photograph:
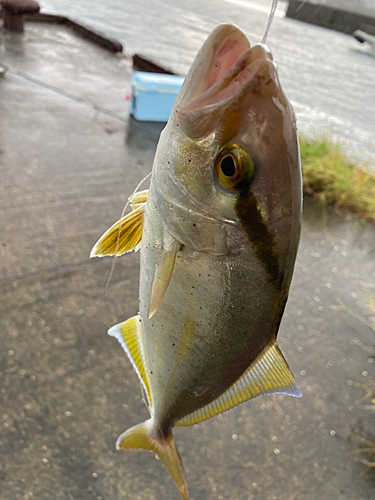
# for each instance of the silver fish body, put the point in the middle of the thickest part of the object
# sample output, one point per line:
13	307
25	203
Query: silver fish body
220	233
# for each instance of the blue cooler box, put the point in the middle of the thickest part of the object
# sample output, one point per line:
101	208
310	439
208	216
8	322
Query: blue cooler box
153	95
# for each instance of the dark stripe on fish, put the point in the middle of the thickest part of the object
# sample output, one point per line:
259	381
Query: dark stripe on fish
251	219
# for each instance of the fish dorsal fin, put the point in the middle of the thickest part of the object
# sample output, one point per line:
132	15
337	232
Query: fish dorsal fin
124	236
129	335
162	274
269	374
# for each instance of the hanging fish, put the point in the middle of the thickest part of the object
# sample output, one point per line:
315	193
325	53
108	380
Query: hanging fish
218	231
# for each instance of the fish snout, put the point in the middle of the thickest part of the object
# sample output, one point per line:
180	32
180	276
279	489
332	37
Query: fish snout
250	80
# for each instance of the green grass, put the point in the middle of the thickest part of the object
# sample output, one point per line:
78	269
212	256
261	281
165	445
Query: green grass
329	176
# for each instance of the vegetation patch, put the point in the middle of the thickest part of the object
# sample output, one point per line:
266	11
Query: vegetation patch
331	177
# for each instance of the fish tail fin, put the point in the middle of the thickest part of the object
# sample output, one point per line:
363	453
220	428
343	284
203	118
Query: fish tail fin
143	437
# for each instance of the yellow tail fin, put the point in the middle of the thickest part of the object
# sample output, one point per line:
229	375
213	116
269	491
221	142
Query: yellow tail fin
143	437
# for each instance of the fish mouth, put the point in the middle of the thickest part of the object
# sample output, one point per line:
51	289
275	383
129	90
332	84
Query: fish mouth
225	69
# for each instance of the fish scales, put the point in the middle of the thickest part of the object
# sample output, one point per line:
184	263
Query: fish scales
213	361
218	231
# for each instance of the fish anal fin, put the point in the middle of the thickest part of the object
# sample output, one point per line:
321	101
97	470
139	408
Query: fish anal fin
162	276
129	335
123	237
142	437
269	374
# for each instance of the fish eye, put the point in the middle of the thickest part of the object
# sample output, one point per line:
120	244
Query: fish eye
228	167
233	165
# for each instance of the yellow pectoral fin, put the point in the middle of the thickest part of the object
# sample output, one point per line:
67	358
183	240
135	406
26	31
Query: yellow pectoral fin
124	236
138	198
129	335
162	276
270	374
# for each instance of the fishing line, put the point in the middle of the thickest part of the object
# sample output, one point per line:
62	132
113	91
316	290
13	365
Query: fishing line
119	232
97	108
73	97
270	19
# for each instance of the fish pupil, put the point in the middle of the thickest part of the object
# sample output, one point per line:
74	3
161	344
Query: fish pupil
228	166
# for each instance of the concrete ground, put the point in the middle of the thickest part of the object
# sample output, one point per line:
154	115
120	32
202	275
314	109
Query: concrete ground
67	390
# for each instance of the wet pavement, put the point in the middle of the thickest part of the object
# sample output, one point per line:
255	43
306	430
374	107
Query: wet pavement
324	73
67	390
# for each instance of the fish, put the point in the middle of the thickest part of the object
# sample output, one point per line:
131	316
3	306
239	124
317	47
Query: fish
218	232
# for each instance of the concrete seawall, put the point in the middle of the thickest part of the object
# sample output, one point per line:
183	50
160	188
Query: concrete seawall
327	17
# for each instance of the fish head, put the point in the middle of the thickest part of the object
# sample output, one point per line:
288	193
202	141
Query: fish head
227	171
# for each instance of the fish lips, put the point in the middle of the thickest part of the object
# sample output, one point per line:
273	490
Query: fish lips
235	79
